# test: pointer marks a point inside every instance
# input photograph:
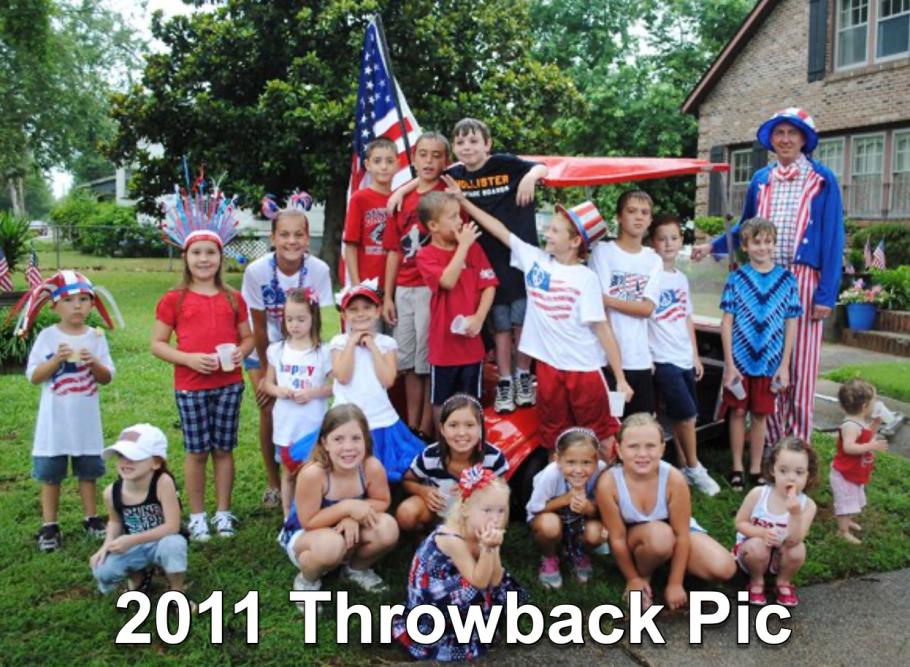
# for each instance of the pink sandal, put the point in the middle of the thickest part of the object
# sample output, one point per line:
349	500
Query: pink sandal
757	594
786	595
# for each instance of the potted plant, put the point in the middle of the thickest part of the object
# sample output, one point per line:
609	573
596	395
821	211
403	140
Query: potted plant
862	305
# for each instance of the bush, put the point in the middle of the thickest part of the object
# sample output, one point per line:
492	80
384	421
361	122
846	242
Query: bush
14	349
14	237
897	243
106	229
711	225
897	283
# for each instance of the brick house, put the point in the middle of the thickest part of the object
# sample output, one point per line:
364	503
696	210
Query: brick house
847	62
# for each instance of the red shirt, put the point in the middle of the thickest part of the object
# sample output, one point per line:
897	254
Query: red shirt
446	348
364	226
405	234
856	468
201	322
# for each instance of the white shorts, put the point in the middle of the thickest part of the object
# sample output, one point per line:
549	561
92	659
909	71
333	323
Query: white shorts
289	547
849	497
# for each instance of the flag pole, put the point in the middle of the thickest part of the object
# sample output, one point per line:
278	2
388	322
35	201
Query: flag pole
388	65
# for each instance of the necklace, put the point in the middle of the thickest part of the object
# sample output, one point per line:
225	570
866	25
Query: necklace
276	287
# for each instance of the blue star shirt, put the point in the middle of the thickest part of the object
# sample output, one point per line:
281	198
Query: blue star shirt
760	304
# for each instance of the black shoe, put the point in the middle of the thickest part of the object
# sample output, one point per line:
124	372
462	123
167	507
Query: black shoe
49	538
94	526
735	479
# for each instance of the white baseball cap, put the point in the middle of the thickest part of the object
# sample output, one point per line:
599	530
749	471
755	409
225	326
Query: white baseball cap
138	442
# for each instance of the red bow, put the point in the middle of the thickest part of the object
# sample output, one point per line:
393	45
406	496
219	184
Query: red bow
787	173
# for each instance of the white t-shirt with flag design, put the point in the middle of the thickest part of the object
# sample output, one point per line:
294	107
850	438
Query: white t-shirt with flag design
69	413
628	277
298	369
668	330
563	302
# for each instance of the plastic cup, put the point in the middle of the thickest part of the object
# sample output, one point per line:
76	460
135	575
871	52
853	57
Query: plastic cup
617	404
459	325
447	489
225	353
737	389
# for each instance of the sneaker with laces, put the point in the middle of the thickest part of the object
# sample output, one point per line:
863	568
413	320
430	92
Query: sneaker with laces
271	498
699	477
199	529
94	526
525	391
301	583
225	524
367	579
583	568
505	400
49	538
549	574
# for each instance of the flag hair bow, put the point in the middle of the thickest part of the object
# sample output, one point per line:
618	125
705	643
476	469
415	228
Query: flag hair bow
298	201
368	288
305	293
474	479
197	215
58	286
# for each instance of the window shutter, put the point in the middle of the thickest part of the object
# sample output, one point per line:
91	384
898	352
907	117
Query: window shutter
716	192
818	38
759	156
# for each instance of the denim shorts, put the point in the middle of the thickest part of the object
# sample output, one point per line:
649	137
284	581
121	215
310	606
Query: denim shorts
52	469
507	316
209	418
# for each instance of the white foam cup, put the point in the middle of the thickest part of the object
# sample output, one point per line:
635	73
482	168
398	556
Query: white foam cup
459	325
617	404
225	352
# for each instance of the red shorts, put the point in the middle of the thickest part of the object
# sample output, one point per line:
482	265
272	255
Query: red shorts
759	398
572	398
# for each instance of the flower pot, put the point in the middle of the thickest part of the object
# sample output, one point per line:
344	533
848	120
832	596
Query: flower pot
861	316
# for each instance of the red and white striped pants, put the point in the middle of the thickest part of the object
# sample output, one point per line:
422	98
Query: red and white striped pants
796	405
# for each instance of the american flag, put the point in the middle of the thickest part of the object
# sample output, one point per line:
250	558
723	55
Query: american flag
376	114
878	257
849	270
32	273
867	255
672	305
6	283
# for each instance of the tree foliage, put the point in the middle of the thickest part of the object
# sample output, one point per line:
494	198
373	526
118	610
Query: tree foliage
58	61
265	92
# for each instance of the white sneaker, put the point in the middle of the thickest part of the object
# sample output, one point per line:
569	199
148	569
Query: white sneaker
199	529
301	583
367	579
525	391
505	399
225	524
699	477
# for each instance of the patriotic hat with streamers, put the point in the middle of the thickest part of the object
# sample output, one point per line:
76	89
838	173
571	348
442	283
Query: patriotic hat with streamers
199	216
587	219
58	286
796	117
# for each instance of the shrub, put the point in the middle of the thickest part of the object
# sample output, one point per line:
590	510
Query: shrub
14	349
897	283
711	225
14	237
72	211
106	229
897	243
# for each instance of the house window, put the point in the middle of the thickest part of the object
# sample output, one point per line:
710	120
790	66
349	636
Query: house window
830	152
893	38
866	182
740	174
852	27
900	184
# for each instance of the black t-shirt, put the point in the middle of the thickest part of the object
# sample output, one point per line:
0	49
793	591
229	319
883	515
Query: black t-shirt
493	188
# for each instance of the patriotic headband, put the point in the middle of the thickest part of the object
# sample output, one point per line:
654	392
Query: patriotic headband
368	288
580	430
199	216
300	201
463	397
474	479
58	286
797	117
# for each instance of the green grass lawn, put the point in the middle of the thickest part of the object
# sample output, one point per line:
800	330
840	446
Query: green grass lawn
890	379
50	612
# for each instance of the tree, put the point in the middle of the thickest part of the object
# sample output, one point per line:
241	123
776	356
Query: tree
37	195
265	92
58	61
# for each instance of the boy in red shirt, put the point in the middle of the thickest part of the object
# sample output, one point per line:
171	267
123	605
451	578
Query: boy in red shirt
406	304
365	222
463	285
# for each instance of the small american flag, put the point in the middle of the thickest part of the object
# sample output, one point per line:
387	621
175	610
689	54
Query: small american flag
849	270
867	255
32	273
878	257
6	283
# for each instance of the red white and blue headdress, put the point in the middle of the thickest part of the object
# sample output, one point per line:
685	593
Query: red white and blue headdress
299	201
58	286
798	118
199	216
